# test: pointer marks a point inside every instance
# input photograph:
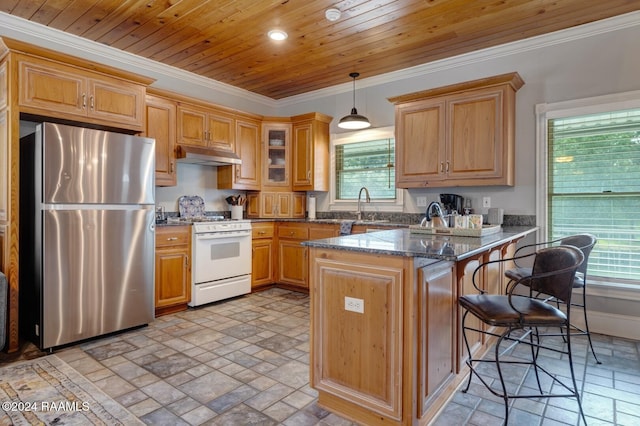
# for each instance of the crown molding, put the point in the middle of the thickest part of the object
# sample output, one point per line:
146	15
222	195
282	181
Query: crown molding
166	76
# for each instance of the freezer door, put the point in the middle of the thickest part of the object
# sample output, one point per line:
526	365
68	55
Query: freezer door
98	272
86	166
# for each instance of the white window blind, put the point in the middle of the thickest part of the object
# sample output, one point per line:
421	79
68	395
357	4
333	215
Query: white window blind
368	163
594	186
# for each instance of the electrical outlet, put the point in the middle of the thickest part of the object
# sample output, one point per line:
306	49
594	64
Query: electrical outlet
486	202
421	201
354	305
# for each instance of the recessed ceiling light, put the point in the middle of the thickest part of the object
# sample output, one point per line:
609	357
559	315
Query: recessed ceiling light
332	14
277	35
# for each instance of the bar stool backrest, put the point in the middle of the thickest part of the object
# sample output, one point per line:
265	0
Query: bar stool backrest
554	270
585	243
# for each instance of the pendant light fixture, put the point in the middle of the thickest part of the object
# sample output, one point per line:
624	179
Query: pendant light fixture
354	121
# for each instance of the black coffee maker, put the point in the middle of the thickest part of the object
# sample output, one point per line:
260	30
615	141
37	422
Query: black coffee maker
452	202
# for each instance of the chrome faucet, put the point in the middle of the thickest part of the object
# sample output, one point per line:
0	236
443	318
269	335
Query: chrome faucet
367	200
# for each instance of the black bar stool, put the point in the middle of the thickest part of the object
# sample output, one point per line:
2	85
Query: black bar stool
517	317
585	242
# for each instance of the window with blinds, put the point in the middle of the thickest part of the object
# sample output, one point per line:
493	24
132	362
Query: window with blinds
368	163
594	187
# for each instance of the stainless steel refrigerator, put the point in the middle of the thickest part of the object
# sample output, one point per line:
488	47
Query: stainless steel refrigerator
87	233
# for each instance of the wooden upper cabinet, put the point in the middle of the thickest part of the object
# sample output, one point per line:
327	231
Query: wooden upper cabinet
477	141
268	204
161	125
310	152
221	130
246	175
52	89
421	128
201	126
460	135
192	126
276	155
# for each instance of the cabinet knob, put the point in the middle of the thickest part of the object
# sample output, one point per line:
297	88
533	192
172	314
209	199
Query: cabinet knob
262	232
84	101
171	167
172	238
447	168
91	102
441	167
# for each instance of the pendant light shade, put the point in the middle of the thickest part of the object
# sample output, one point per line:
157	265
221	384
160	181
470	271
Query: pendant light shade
354	121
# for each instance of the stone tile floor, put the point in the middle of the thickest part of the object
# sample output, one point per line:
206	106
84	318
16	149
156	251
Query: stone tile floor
245	361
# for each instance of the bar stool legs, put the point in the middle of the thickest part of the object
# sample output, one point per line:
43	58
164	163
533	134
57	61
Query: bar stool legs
531	338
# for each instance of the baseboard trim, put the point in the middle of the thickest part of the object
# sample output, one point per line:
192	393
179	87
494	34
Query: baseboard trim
624	326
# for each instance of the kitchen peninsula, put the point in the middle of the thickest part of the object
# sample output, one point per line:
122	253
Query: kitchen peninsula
385	341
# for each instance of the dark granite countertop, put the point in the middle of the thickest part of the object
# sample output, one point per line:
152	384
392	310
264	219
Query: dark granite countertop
376	223
401	242
168	223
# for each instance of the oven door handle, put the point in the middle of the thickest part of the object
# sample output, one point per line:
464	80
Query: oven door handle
220	235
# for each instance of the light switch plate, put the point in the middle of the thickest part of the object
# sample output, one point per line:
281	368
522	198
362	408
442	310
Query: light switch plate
421	201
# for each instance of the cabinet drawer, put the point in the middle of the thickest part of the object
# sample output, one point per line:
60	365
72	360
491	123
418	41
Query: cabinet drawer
173	235
293	232
262	230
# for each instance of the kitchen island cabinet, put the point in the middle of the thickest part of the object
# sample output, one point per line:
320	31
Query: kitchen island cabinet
173	268
386	302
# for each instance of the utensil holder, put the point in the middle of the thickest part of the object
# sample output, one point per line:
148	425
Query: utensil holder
236	212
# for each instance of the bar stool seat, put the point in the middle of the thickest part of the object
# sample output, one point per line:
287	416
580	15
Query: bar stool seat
503	311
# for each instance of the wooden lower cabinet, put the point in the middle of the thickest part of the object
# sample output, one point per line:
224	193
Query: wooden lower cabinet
318	231
263	250
173	269
292	256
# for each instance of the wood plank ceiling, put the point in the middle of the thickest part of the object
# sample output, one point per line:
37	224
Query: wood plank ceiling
226	40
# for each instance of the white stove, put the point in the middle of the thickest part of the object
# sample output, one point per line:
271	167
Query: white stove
221	252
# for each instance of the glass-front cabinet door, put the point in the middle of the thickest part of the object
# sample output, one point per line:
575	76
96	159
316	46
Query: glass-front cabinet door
277	142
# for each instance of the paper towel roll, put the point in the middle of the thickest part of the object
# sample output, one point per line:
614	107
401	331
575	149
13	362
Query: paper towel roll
312	207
